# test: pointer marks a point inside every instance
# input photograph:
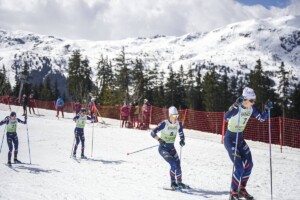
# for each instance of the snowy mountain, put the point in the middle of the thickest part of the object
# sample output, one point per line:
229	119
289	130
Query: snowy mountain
112	175
236	46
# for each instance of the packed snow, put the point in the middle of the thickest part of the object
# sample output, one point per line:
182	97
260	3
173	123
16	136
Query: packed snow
111	174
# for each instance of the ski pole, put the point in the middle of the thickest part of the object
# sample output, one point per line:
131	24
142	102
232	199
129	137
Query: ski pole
28	141
270	145
72	147
92	140
180	152
235	150
142	150
3	138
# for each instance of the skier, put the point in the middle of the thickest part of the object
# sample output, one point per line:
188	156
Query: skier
169	129
79	131
237	117
11	135
60	106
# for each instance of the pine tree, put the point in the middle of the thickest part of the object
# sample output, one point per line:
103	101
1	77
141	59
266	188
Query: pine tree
123	76
295	105
283	88
223	95
210	84
5	87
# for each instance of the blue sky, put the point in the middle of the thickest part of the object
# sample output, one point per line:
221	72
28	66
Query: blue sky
120	19
267	3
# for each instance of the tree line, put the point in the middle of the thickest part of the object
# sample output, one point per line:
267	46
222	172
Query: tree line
201	87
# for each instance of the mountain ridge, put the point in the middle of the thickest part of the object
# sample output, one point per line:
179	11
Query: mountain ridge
236	46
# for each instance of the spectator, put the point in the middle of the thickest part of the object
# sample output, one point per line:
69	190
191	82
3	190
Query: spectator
146	114
31	103
93	109
24	103
60	106
124	114
77	107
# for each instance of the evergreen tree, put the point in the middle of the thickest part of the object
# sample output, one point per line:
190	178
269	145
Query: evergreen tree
223	95
123	76
5	87
283	88
198	93
210	84
46	93
171	89
104	76
233	89
295	105
79	81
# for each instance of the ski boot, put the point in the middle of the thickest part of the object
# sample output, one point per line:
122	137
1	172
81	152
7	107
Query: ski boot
74	155
83	156
183	186
174	186
16	161
9	163
234	195
244	194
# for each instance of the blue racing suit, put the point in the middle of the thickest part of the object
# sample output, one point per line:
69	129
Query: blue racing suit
11	135
168	132
243	160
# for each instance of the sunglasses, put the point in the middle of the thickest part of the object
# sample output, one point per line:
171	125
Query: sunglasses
175	116
252	100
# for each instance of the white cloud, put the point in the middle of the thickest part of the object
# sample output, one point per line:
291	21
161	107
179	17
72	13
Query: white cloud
118	19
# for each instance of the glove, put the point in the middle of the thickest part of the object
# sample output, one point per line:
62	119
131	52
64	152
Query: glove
239	101
182	143
269	105
161	142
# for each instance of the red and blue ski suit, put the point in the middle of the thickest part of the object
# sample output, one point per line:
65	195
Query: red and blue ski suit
79	131
11	135
243	160
168	132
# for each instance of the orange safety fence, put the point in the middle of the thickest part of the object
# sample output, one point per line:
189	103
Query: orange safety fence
284	131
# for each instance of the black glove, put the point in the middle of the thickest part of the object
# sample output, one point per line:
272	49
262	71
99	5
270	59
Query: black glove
161	142
239	101
182	143
269	105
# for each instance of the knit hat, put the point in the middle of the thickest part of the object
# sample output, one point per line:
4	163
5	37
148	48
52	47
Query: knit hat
173	111
248	93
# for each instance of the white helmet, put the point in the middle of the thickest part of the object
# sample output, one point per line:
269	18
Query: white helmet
173	111
248	93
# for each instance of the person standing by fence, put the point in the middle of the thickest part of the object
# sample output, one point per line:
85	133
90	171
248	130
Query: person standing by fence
237	117
124	114
146	114
25	104
60	107
31	104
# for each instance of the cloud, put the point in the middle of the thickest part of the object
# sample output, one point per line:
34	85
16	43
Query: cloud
118	19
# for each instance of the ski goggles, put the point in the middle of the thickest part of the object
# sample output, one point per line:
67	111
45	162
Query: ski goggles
175	115
252	100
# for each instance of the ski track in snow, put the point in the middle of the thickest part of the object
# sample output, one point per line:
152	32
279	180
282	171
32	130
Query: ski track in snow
112	175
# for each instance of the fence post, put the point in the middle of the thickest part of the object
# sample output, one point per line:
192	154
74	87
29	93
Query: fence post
120	115
184	117
280	134
223	128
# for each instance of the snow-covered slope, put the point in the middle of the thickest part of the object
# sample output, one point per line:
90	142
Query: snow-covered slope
112	175
237	46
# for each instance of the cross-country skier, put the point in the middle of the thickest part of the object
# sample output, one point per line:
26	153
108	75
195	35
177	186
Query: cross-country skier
11	134
80	120
237	117
59	106
169	129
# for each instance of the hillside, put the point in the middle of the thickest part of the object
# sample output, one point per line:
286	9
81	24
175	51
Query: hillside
236	46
